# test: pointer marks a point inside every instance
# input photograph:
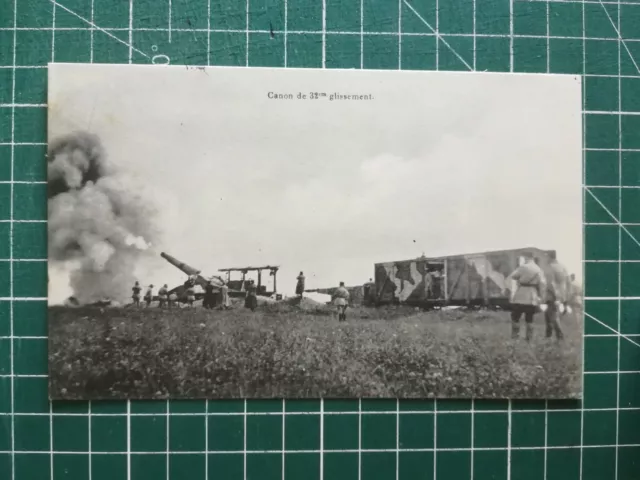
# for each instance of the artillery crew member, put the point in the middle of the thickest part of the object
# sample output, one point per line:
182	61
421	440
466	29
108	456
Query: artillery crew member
224	296
300	285
191	295
162	295
148	296
209	297
527	297
173	298
251	300
136	293
368	291
557	295
341	300
575	294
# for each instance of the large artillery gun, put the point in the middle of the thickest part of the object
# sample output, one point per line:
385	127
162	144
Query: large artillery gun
195	277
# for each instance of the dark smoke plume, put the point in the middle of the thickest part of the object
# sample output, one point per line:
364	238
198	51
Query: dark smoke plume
99	224
75	160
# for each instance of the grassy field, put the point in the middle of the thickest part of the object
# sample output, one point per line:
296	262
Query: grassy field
283	351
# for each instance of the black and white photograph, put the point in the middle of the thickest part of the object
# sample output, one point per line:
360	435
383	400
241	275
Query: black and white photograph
227	232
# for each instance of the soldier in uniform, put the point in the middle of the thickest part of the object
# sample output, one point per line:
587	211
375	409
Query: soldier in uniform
173	298
251	300
148	296
575	294
136	294
209	297
300	285
557	295
369	292
191	295
341	300
224	296
162	295
527	297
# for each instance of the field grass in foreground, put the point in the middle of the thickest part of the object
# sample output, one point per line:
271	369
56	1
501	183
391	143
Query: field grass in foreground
152	353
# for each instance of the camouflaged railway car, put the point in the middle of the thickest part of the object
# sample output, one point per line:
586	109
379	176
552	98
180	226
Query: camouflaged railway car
475	279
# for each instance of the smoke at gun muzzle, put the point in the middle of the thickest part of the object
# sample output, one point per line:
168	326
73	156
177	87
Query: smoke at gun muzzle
98	220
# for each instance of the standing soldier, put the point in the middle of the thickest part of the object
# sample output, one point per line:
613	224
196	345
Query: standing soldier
575	295
162	295
368	292
557	294
528	295
428	285
148	296
209	298
191	295
136	294
300	285
224	296
341	300
251	300
173	298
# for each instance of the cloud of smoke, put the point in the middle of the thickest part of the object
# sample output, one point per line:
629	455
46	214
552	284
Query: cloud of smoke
100	223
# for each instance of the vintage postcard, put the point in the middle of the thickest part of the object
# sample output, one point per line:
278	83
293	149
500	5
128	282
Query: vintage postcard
291	233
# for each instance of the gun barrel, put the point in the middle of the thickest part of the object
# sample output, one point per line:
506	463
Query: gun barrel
180	265
325	291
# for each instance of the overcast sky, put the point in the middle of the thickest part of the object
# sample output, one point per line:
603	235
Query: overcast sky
437	163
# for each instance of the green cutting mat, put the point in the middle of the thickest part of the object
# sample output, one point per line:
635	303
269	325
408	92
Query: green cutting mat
331	440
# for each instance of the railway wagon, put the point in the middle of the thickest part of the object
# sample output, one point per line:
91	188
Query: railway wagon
473	279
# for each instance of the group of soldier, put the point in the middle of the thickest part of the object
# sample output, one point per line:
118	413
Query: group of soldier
164	297
170	298
549	289
211	299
